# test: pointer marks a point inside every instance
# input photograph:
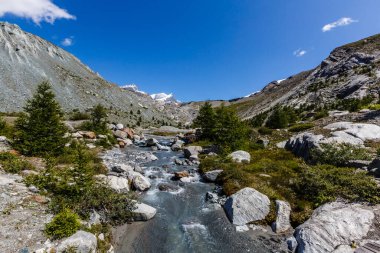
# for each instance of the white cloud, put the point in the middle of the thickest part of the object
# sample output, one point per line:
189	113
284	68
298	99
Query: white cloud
37	10
67	41
299	52
339	22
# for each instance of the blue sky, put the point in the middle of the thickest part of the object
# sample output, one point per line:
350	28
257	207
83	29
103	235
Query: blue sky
197	49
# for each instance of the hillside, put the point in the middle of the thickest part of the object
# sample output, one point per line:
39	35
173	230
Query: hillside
350	71
26	60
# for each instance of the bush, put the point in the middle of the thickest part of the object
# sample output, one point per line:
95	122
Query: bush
40	130
301	127
14	164
79	116
64	224
259	119
338	155
5	129
281	117
265	131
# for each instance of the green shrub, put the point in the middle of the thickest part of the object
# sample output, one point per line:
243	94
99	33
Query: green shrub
321	114
300	127
64	224
259	119
14	164
265	131
338	155
79	116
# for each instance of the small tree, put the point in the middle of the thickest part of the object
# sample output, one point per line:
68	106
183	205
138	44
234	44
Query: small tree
99	119
278	119
206	120
40	130
230	132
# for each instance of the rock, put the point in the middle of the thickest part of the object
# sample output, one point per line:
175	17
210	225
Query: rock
168	187
188	179
140	182
33	189
102	136
90	145
76	135
143	212
88	134
120	134
130	133
101	237
162	147
212	197
292	243
194	158
374	167
281	144
4	144
151	142
365	132
82	241
181	174
211	175
192	150
153	157
136	138
118	184
128	142
119	126
243	228
178	161
176	147
247	205
120	168
344	249
95	219
282	223
263	142
26	173
240	156
302	144
334	224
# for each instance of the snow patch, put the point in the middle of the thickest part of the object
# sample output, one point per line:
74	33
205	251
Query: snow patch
133	87
163	97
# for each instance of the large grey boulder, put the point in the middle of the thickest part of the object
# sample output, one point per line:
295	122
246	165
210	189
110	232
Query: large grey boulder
81	241
140	182
282	223
118	184
302	144
211	175
192	151
365	132
247	205
334	224
240	156
143	212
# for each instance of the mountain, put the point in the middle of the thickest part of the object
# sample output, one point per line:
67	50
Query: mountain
350	71
26	60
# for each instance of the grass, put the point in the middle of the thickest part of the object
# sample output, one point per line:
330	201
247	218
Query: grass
280	175
300	127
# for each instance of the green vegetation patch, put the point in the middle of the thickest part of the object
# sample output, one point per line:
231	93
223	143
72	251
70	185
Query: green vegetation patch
14	164
64	224
300	127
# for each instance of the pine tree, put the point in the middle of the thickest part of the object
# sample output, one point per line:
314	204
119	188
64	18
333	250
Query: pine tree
278	119
206	121
40	130
230	132
99	119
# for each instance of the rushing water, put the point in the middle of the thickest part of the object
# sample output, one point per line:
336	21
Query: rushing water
185	222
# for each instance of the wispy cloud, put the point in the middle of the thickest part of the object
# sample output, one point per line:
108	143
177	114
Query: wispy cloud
67	41
37	10
299	52
339	22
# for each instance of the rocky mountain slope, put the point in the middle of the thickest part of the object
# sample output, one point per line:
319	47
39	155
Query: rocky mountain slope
26	60
350	71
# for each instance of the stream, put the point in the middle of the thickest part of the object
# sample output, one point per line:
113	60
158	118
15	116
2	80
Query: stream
185	221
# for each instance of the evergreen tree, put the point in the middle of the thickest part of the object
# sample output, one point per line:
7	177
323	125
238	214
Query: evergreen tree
40	130
278	119
99	119
206	121
230	132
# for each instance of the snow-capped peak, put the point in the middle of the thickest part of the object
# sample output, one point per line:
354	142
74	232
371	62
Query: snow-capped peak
163	97
249	95
133	87
281	80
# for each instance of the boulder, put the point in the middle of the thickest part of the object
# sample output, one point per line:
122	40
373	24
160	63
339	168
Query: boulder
211	175
143	212
151	142
76	135
282	223
140	182
81	241
88	134
120	134
247	205
302	144
292	244
119	126
178	161
118	184
4	144
194	158
240	156
192	150
365	132
168	187
176	147
121	168
334	224
181	174
95	219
